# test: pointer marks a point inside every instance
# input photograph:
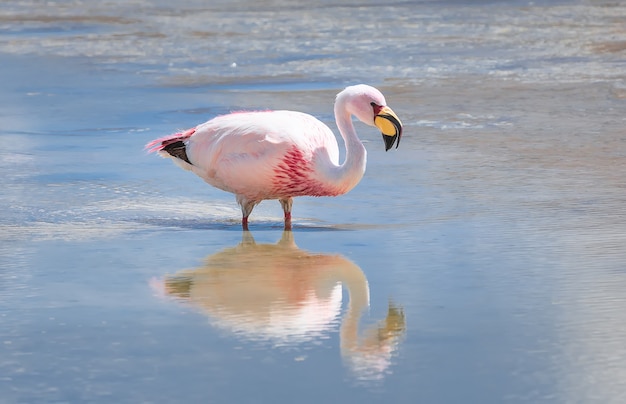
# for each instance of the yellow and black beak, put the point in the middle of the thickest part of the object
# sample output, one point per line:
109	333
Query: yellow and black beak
389	124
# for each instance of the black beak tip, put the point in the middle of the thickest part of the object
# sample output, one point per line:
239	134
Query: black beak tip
399	136
390	140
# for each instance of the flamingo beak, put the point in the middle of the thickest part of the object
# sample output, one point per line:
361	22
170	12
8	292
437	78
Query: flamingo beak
389	124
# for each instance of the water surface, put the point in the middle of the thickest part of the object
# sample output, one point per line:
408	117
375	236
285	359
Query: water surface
482	261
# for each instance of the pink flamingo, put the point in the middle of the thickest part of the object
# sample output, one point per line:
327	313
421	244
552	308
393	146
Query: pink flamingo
282	154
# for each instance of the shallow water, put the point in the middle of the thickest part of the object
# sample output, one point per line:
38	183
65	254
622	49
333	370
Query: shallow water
482	261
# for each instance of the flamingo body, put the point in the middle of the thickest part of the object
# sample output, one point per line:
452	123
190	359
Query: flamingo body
279	154
254	155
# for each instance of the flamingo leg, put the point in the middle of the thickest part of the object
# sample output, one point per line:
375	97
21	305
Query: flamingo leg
286	204
246	209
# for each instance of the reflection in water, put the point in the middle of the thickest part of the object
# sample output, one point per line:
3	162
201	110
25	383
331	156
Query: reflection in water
280	293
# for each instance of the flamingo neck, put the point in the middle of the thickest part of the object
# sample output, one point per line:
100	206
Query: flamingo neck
348	174
354	280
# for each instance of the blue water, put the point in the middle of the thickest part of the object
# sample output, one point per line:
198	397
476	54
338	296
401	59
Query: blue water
482	261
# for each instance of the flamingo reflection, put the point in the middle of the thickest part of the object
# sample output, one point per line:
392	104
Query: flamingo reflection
280	293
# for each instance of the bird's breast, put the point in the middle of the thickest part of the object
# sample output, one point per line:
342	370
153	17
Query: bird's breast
295	175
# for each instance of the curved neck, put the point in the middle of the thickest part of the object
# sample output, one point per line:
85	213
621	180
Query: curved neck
353	278
348	174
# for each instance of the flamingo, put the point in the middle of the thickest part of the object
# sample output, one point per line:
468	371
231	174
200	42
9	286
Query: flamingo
261	155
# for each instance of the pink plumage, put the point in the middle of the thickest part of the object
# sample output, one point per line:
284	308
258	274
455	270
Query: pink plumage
159	144
281	154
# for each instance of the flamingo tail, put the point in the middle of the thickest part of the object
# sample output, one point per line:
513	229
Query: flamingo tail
172	145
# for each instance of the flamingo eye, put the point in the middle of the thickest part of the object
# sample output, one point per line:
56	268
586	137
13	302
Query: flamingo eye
376	107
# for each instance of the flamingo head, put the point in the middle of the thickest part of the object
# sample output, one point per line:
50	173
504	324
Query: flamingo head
369	106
